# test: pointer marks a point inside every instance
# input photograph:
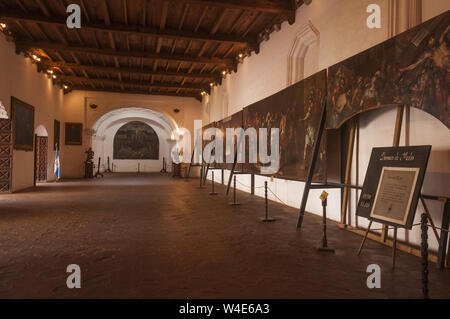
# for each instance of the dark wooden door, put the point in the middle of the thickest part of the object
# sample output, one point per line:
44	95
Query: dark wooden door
41	158
6	143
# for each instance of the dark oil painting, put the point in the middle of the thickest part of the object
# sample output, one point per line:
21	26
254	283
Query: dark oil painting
296	112
136	141
232	122
23	121
74	133
410	69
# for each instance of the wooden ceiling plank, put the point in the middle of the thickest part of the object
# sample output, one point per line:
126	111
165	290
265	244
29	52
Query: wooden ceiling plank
84	9
44	8
219	21
183	17
253	23
200	21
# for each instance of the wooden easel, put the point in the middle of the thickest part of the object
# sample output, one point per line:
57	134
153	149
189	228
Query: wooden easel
312	165
192	161
442	256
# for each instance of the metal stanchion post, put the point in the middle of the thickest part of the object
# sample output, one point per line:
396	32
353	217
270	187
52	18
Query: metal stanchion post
186	178
212	185
424	253
266	219
324	198
201	179
234	202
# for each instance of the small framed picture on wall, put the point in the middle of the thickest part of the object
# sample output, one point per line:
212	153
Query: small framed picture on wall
74	133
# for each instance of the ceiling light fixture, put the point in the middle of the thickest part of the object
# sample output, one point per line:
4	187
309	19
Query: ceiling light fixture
3	25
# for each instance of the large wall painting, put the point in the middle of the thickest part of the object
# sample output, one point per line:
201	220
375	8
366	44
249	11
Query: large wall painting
136	141
296	112
410	69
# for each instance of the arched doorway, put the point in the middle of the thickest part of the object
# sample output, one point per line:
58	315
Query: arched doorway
40	155
119	126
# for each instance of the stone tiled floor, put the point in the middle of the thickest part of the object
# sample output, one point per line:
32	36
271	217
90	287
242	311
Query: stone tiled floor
149	236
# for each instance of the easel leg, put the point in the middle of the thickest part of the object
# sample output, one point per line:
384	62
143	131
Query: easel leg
395	143
394	248
348	172
365	238
442	253
312	165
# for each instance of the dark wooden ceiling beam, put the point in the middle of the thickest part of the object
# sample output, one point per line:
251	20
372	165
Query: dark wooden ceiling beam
141	71
278	7
133	30
145	92
122	53
78	79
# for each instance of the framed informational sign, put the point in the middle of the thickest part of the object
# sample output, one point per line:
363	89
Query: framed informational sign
393	183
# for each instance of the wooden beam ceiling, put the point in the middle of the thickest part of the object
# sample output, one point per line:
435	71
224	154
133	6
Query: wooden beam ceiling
166	47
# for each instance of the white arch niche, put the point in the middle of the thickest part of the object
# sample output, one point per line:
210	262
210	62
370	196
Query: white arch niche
305	39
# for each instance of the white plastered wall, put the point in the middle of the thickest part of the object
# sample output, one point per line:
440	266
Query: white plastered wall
19	78
341	33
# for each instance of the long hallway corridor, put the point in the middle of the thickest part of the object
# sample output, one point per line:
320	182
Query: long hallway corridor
151	236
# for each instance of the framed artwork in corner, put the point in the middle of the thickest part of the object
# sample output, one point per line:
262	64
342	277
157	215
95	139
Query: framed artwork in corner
56	134
23	124
74	134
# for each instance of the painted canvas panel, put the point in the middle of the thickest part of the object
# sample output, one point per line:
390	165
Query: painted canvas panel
205	142
410	69
296	112
23	124
136	141
232	122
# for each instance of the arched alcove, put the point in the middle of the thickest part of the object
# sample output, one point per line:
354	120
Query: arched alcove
106	127
306	38
41	131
